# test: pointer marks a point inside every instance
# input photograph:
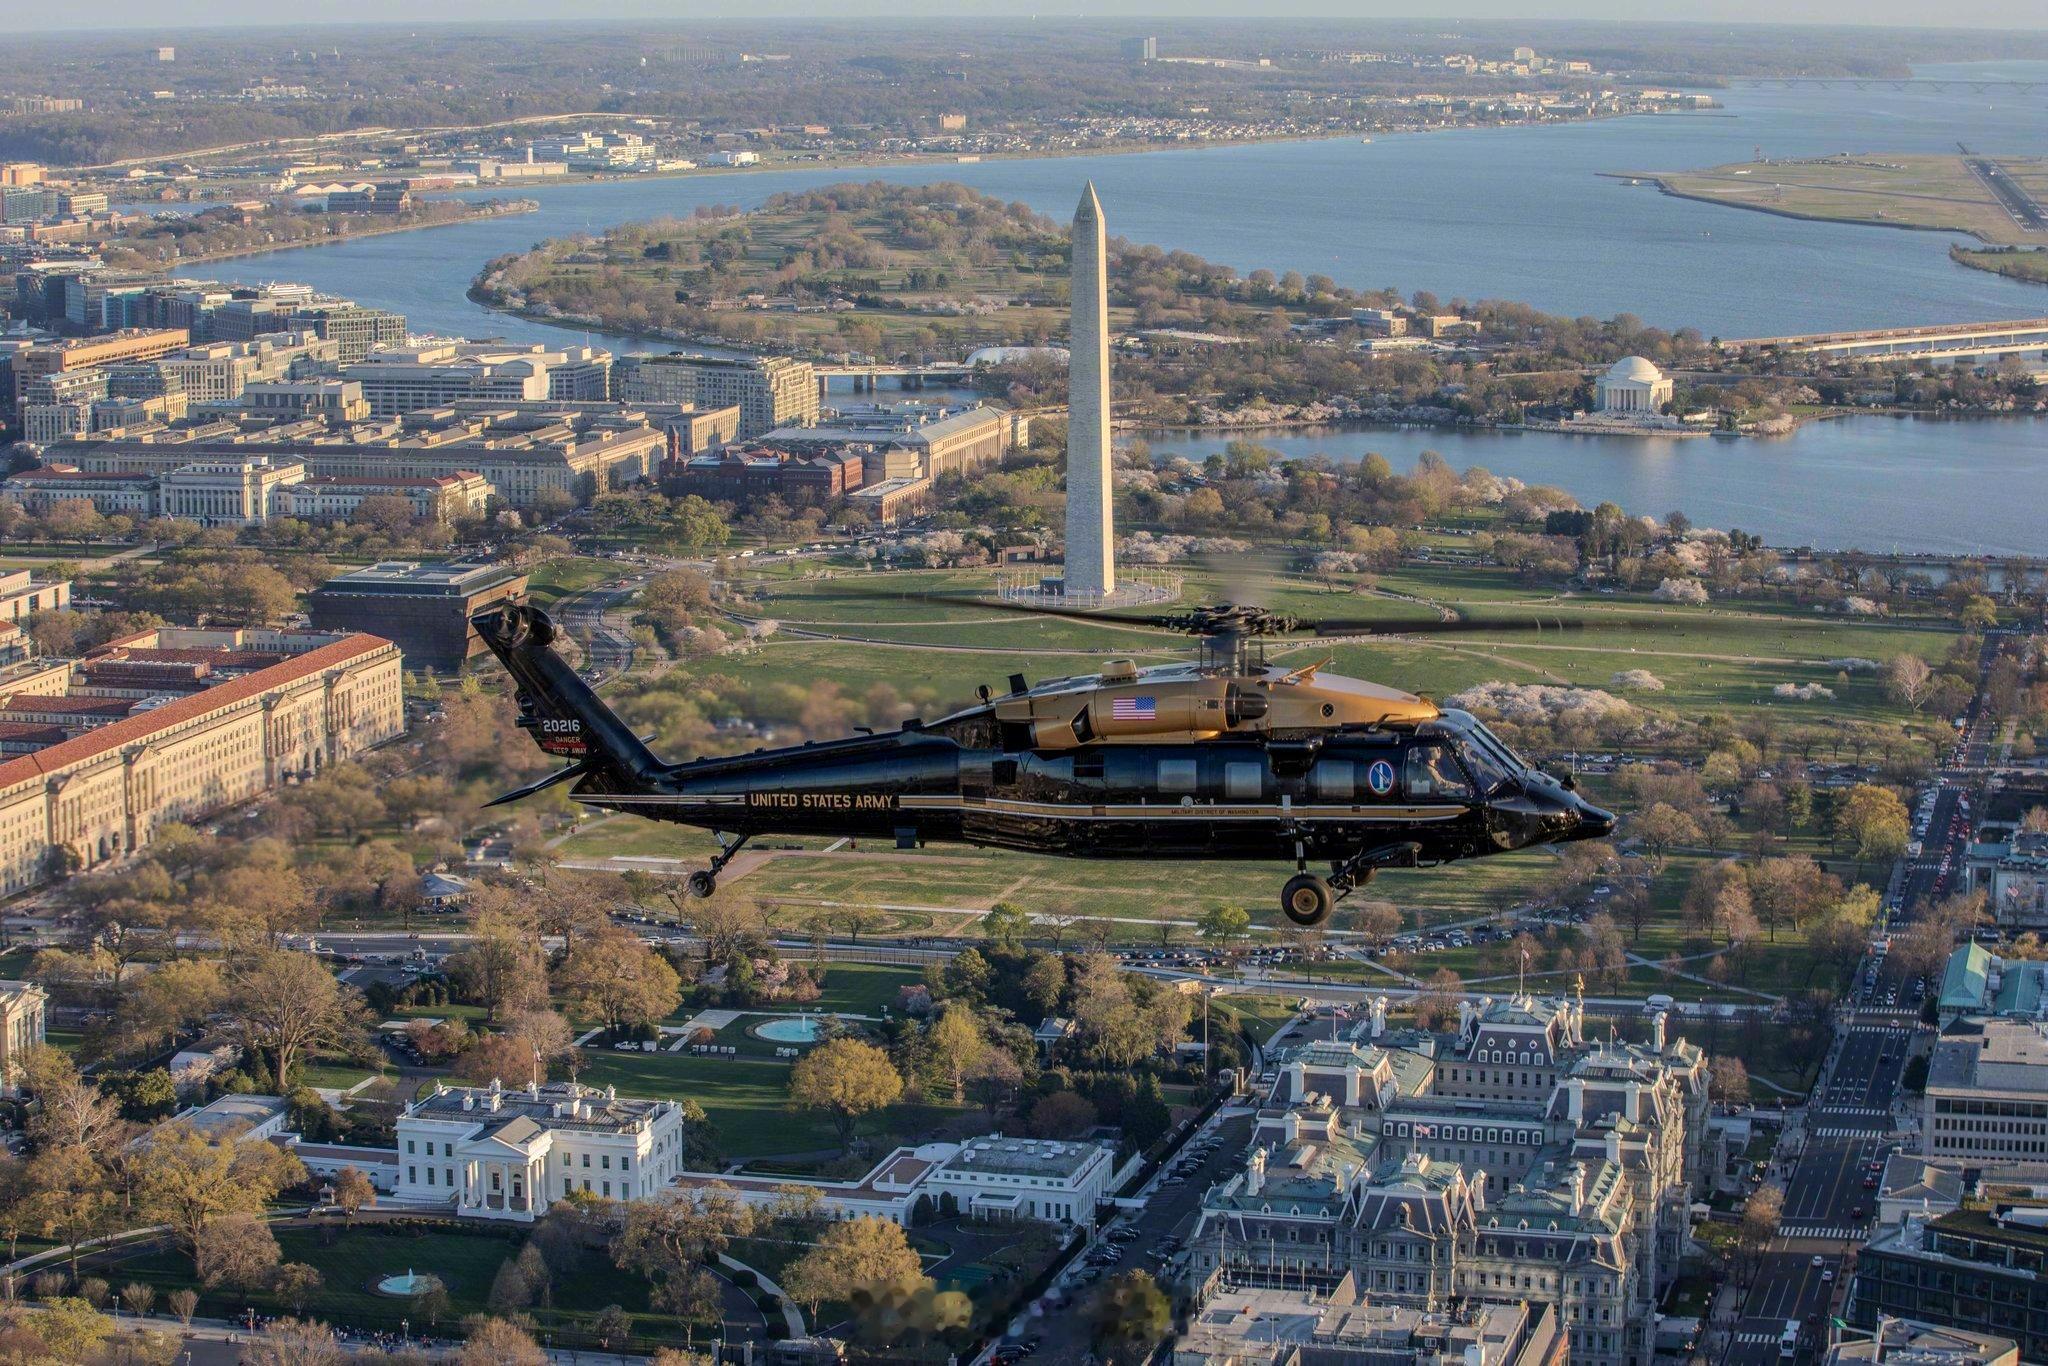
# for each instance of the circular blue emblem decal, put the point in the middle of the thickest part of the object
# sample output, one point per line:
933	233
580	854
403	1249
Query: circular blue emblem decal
1380	777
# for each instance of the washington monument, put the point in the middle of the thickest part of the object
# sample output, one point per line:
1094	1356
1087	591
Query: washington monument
1091	533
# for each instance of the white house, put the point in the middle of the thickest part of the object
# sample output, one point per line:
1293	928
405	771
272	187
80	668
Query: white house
492	1153
1632	385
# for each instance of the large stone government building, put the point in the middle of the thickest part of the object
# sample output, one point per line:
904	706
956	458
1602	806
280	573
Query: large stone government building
171	725
1511	1161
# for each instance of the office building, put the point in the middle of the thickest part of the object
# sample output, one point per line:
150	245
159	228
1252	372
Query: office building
355	329
50	358
1144	49
1346	1325
338	402
1986	1101
1981	1270
55	406
226	493
1513	1160
111	495
770	391
958	439
22	595
891	500
1029	1180
745	476
1903	1342
104	790
403	379
528	453
444	498
424	607
498	1152
692	430
24	1011
219	371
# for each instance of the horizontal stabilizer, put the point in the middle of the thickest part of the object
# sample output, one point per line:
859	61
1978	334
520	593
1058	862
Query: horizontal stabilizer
539	785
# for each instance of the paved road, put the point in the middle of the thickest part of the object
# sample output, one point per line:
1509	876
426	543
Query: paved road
1828	1205
1169	1211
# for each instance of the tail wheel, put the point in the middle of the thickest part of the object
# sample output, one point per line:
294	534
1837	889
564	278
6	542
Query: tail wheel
1306	900
702	884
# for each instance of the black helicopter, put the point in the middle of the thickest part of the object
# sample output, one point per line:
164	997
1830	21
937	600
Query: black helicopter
1221	757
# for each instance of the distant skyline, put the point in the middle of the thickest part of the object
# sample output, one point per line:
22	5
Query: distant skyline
167	16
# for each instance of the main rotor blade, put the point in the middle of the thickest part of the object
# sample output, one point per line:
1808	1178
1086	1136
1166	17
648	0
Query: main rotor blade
1384	626
1098	617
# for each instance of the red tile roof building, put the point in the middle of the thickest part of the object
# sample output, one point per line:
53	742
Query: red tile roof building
103	792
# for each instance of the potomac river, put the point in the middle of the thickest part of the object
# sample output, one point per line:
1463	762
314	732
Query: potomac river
1509	213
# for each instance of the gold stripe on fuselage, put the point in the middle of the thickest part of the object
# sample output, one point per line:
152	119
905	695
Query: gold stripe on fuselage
1076	810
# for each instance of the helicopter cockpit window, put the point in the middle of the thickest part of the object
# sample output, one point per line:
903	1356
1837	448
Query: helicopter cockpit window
1432	773
1486	765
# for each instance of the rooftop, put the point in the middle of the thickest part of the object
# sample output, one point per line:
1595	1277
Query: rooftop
420	577
1024	1156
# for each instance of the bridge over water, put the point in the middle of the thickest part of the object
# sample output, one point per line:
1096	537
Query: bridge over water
1932	83
2025	338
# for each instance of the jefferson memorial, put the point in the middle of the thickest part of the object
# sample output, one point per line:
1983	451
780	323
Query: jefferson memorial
1632	385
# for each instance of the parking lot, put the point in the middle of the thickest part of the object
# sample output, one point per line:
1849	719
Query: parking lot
1152	1239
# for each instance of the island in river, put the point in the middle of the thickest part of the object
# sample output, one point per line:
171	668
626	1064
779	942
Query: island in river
1994	199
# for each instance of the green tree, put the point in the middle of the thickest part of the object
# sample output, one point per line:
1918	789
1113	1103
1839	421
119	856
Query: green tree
958	1043
1006	923
847	1079
1225	927
1130	1317
617	979
850	1257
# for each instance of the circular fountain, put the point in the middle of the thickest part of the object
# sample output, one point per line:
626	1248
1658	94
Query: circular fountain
792	1029
403	1287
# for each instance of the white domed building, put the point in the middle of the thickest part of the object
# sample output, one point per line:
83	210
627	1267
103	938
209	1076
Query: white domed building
1632	385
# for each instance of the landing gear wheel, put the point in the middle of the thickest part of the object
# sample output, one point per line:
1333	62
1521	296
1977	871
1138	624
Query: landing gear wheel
702	884
1307	900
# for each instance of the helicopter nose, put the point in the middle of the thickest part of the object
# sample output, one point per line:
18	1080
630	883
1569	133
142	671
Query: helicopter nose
1593	823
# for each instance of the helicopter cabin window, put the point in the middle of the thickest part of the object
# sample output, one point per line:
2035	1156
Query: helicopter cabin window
1179	776
1244	781
1432	772
1334	779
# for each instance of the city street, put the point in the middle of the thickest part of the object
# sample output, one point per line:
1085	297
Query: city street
1828	1207
1169	1211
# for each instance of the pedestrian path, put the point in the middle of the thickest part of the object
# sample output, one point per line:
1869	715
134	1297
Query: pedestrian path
1834	1232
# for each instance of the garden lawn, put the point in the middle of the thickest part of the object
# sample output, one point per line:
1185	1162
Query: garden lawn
465	1257
747	1101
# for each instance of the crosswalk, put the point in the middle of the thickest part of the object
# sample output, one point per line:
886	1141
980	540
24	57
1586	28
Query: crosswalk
1756	1339
1832	1111
1845	1131
1838	1232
